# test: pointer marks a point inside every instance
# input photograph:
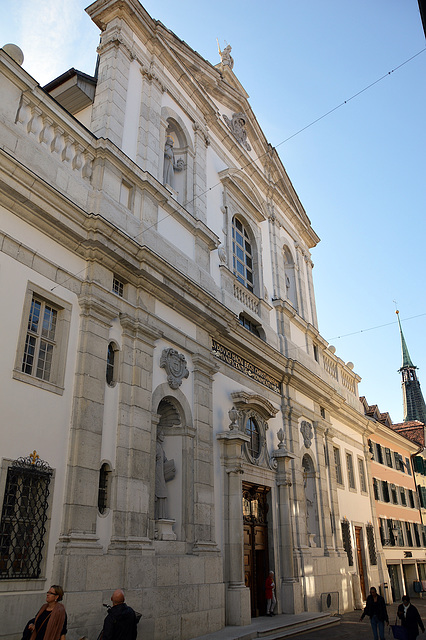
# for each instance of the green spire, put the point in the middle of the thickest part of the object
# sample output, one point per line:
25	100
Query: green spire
406	360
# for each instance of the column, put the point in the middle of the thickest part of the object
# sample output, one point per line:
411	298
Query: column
238	608
324	498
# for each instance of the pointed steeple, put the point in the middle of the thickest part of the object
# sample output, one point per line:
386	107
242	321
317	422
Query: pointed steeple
414	404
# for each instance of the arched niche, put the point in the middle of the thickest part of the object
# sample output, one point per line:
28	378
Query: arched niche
290	277
178	158
309	484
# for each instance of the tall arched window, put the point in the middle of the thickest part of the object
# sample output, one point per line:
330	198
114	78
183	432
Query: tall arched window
242	254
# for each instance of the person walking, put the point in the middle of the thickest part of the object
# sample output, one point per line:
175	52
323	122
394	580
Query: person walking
270	594
50	622
120	622
410	618
375	608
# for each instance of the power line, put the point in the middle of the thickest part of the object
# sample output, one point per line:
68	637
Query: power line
379	326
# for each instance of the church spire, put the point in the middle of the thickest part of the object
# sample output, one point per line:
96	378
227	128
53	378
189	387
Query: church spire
414	404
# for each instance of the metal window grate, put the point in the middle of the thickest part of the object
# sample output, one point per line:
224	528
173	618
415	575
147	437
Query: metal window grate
371	544
23	519
347	542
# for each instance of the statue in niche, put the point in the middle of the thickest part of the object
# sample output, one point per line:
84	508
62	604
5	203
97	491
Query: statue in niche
170	165
164	472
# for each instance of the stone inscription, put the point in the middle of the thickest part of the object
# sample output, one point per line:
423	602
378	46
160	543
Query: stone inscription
246	367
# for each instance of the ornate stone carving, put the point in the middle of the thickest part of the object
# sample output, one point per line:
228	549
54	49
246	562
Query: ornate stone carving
225	56
237	127
222	254
175	365
307	433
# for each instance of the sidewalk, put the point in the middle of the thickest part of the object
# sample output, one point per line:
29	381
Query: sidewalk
312	626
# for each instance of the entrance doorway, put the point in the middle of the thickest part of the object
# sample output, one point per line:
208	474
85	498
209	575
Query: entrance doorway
256	561
358	539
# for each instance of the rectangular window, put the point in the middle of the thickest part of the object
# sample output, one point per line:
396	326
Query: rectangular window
376	489
394	494
388	454
385	491
337	465
23	519
371	449
402	496
411	499
43	340
118	287
408	466
392	530
379	454
382	529
362	478
417	535
408	534
350	468
398	533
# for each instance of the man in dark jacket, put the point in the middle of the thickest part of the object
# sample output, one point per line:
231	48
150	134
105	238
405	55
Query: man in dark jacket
120	623
375	608
410	618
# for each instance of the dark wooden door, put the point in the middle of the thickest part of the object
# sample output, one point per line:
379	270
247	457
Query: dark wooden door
255	545
358	538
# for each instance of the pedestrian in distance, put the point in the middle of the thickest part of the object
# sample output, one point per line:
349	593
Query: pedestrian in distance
270	594
120	622
410	618
50	623
375	609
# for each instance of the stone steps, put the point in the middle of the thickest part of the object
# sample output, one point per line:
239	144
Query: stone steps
321	621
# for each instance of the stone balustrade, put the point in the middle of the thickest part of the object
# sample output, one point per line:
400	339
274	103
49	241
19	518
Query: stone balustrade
248	299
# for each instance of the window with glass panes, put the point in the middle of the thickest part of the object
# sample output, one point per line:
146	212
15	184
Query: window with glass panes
350	468
362	478
242	254
252	430
40	339
337	465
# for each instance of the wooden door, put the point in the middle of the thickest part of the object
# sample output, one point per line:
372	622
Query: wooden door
256	566
358	539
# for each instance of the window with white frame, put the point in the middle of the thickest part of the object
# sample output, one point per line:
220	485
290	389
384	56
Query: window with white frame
242	254
350	469
338	465
43	340
362	477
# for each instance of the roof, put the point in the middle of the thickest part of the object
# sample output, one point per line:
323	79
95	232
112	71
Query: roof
413	430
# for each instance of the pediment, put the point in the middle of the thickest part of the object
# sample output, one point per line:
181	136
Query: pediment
244	400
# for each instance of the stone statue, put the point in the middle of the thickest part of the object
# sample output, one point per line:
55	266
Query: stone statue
226	57
170	166
164	471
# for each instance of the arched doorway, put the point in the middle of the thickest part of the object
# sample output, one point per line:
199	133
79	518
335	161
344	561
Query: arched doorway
256	560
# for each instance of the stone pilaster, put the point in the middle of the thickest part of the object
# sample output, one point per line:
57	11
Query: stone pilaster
332	491
152	130
109	107
204	529
300	283
134	440
291	595
311	292
323	497
237	594
199	205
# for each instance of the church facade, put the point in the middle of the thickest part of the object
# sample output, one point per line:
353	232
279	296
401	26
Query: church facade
174	413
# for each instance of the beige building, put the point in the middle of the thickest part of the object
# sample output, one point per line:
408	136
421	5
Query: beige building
161	353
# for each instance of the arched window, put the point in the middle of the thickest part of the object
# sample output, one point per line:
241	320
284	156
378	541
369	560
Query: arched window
103	490
252	430
110	369
242	254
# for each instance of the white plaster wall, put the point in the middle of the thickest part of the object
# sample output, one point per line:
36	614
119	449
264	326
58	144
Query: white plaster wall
175	233
40	419
85	116
133	106
175	319
298	337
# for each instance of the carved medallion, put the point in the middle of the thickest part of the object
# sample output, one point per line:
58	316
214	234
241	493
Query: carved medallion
175	365
307	433
237	127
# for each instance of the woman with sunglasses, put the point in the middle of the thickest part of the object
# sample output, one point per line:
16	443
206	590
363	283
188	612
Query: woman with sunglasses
50	622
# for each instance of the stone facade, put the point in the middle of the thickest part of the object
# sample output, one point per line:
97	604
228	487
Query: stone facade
185	309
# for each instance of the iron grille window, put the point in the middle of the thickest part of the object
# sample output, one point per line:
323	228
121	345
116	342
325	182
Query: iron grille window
252	430
23	519
103	488
242	254
110	365
40	340
371	544
347	542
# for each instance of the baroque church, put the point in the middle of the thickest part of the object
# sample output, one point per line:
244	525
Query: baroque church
176	424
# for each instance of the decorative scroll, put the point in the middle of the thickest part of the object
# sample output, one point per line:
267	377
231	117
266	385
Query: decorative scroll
244	366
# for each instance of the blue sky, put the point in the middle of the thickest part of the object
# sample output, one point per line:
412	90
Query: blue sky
359	172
